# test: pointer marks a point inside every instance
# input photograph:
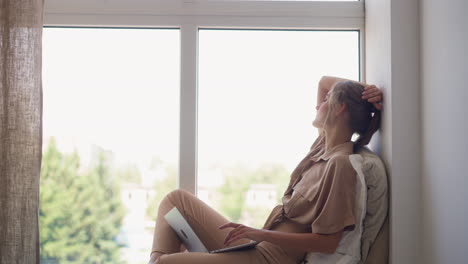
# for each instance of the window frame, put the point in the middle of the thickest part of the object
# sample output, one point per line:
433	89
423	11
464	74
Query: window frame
191	15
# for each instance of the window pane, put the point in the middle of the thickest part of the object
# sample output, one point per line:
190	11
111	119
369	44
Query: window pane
278	0
111	126
257	97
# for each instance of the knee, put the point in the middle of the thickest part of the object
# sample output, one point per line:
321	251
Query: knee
178	195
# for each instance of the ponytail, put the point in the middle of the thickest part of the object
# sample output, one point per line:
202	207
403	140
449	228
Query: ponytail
373	127
364	118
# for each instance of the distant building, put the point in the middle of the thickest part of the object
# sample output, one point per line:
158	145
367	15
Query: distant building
208	181
263	195
135	199
134	234
259	200
209	195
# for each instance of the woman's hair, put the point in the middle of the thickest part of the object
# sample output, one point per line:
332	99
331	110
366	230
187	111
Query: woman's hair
360	111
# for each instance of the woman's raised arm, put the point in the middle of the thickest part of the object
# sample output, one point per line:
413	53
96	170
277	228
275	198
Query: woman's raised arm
371	93
325	85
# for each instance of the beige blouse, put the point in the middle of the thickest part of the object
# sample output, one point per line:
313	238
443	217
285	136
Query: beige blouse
321	191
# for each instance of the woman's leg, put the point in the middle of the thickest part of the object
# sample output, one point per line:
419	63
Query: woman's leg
203	219
250	256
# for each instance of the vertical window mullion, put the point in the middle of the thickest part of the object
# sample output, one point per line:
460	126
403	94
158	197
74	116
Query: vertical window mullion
362	54
188	108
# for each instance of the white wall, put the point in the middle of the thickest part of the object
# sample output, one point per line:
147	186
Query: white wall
444	58
417	52
392	63
378	69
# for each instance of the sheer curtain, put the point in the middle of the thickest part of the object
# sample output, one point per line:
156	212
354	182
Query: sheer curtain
20	129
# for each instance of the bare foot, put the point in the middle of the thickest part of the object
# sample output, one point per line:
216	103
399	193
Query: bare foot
154	257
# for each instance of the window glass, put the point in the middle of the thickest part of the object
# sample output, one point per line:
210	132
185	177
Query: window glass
278	0
257	98
110	132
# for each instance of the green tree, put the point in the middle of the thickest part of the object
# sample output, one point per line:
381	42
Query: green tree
232	198
80	212
129	173
259	215
275	174
162	187
238	179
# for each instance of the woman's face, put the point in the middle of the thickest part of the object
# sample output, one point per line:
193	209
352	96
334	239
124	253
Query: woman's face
322	110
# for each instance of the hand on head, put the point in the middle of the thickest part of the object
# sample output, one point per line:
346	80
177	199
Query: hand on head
373	95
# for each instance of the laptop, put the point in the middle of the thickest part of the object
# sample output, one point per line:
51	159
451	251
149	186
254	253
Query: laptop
191	241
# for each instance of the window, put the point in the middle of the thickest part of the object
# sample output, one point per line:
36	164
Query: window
257	97
111	121
171	96
282	0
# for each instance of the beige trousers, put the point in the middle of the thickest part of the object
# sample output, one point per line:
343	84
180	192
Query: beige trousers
205	222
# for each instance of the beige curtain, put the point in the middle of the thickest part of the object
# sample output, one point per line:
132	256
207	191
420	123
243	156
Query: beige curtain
20	129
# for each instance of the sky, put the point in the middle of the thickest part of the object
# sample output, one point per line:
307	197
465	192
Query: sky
119	89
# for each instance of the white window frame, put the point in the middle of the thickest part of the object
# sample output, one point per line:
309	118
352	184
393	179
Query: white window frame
191	15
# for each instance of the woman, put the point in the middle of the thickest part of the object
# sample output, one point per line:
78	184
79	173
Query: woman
318	204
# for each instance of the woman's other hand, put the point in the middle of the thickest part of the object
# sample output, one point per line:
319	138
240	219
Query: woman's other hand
242	231
373	95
